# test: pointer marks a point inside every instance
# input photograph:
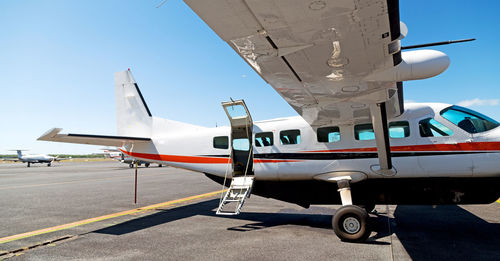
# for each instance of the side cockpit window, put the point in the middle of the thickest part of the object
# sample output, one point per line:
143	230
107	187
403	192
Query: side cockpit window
469	120
432	128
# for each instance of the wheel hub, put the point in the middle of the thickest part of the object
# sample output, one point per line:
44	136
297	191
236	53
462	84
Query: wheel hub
351	225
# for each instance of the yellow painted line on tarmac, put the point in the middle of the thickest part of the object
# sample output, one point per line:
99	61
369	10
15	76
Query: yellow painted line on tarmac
105	217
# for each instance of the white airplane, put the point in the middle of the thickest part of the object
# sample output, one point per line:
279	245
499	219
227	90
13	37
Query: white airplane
34	158
339	64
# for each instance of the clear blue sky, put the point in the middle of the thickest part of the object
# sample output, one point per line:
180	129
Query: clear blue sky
57	60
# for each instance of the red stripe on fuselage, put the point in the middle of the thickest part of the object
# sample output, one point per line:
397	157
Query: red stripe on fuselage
195	159
469	146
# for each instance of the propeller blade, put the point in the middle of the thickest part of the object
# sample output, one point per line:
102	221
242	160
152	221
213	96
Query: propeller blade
436	43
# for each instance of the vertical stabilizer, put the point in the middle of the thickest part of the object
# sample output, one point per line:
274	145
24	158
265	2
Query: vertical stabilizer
132	114
19	154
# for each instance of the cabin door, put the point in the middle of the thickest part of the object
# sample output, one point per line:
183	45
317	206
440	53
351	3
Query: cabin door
241	137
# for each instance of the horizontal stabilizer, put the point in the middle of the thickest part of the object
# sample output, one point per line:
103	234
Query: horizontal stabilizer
116	141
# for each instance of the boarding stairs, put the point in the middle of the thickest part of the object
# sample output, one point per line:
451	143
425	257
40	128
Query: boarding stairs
239	190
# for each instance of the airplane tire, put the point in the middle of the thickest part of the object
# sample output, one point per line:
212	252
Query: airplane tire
48	164
350	224
130	165
159	165
29	165
146	165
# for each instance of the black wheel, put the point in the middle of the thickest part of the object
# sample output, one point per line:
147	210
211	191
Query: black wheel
29	165
131	165
350	224
48	164
159	165
146	165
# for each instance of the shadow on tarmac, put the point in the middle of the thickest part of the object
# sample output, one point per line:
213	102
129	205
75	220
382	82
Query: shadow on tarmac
206	208
445	233
426	233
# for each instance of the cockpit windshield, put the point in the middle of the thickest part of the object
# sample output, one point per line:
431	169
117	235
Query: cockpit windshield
469	120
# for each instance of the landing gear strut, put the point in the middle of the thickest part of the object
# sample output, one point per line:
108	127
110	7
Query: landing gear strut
350	223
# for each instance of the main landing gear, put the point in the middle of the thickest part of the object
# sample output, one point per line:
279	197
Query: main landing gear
350	222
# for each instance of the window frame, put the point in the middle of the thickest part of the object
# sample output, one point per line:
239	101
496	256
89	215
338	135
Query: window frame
404	132
297	141
328	133
438	130
219	148
271	135
356	136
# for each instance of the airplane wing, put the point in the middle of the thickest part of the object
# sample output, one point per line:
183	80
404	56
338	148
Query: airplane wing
117	141
11	159
328	59
334	61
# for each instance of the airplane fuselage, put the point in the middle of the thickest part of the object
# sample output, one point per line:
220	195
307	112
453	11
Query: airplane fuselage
37	159
301	158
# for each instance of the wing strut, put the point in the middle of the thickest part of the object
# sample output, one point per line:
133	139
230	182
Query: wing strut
379	120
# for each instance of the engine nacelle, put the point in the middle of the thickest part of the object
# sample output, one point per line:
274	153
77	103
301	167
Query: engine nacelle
416	65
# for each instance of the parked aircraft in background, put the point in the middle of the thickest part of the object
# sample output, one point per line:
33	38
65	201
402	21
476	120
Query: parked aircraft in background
340	65
116	154
33	158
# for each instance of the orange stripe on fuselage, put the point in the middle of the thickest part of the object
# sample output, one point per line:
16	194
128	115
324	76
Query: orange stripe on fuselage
195	159
469	146
178	158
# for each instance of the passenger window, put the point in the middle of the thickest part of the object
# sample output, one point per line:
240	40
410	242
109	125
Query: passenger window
242	144
328	134
221	142
399	129
264	139
432	128
364	132
290	137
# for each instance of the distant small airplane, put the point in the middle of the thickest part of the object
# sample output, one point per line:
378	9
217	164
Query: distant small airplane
33	158
119	156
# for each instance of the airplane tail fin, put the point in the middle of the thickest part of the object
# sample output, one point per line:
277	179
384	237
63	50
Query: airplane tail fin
132	113
134	120
19	153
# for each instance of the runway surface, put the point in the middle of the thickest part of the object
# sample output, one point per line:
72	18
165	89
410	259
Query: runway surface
85	211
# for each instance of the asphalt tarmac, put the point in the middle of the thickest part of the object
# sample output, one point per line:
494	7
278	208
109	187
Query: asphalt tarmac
85	211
